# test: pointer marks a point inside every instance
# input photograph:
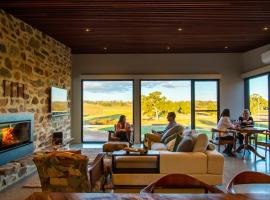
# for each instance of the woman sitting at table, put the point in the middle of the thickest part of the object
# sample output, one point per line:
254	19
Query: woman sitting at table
223	124
123	129
245	121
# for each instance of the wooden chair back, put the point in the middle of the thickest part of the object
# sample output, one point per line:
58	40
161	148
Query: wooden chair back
179	181
96	172
217	134
247	177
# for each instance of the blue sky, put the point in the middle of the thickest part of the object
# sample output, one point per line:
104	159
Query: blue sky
122	90
107	90
173	90
259	86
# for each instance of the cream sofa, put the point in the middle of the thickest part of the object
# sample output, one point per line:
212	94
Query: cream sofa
206	166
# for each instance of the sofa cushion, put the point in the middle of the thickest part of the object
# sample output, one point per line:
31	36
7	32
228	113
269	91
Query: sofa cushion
177	141
183	162
170	145
186	144
158	146
176	129
200	142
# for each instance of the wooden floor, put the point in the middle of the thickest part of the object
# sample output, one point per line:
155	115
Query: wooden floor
232	167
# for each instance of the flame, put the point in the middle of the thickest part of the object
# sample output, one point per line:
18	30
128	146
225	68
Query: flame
7	136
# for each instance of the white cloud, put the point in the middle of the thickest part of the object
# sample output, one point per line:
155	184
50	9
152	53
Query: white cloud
107	86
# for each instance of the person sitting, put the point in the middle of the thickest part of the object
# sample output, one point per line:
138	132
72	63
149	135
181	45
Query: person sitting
245	121
156	136
223	124
123	129
171	119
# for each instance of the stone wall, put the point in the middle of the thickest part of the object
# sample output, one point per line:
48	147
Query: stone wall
38	61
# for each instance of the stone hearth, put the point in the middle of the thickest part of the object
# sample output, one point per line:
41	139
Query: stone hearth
13	171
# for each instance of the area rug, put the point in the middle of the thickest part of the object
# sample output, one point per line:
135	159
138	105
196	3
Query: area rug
34	182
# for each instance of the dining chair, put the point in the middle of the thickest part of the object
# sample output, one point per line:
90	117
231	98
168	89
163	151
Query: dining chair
65	171
247	177
265	143
217	134
179	183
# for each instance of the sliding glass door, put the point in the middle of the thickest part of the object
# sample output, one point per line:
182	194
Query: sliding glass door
103	103
158	97
206	105
258	89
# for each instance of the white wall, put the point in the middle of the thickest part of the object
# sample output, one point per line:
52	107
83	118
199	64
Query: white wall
252	59
229	66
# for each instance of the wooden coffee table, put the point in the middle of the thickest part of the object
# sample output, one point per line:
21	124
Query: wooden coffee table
154	155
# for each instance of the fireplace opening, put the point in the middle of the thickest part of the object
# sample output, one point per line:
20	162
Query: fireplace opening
13	134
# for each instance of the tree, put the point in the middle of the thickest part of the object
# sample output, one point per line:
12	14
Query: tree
257	103
184	107
153	105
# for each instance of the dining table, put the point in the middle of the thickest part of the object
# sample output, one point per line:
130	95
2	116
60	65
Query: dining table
121	196
247	132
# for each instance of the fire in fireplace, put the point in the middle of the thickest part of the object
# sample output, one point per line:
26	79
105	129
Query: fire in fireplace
13	134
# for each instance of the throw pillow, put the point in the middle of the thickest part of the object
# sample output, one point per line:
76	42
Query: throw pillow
211	147
170	138
200	142
171	144
177	141
186	131
171	131
186	144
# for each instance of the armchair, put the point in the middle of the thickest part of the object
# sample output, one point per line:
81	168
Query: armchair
113	138
62	171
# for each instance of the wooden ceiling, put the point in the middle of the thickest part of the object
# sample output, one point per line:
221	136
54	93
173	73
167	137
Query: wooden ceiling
138	26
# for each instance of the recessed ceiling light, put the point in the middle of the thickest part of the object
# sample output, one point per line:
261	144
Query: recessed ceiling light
265	28
226	47
179	29
87	30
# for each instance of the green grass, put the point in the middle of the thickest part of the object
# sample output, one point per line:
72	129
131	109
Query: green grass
106	116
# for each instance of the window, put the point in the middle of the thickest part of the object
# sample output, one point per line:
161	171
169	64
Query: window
103	103
206	105
195	102
158	97
257	91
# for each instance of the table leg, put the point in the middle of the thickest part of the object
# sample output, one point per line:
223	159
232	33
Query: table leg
251	148
242	146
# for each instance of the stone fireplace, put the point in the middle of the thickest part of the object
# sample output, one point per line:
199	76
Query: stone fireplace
16	136
36	60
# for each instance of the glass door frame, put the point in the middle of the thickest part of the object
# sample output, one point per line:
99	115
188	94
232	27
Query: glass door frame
247	92
133	105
